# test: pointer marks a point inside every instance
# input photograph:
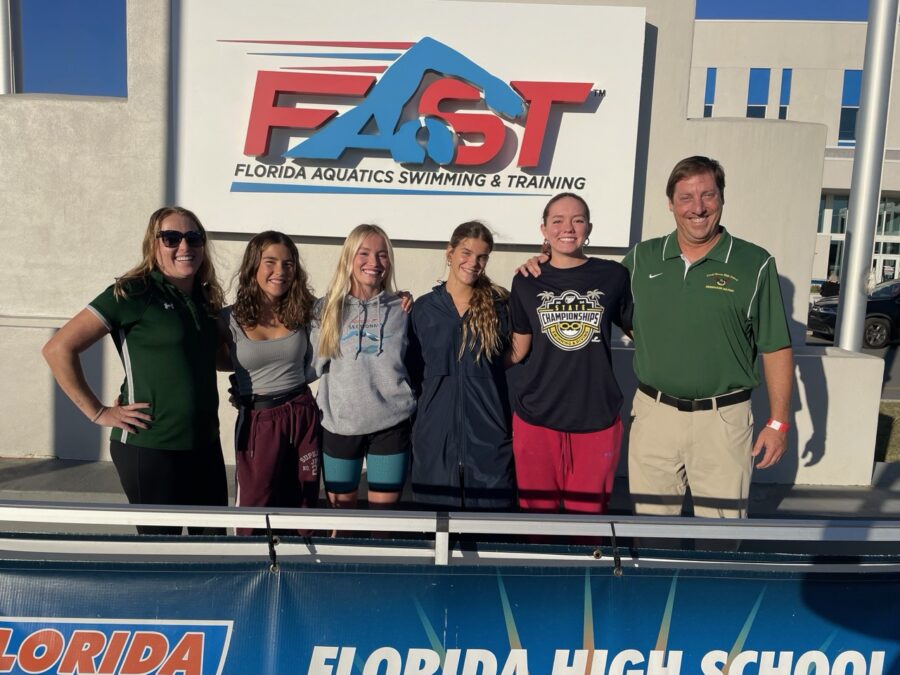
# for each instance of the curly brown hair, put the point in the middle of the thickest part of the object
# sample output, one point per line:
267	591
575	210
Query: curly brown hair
481	327
294	308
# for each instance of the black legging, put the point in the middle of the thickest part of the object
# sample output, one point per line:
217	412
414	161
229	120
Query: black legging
193	477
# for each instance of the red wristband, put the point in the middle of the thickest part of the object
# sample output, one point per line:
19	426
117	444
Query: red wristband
778	426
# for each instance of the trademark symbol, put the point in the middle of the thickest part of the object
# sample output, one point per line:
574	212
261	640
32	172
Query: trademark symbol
598	92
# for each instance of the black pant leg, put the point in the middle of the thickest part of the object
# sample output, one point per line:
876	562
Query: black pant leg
147	477
201	481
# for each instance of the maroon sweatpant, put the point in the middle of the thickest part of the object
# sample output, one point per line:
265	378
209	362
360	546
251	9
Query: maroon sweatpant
562	470
278	455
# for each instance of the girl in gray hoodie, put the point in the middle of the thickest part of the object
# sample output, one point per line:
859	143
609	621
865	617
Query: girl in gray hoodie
359	333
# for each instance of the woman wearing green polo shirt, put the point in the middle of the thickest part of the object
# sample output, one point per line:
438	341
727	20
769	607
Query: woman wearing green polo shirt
161	315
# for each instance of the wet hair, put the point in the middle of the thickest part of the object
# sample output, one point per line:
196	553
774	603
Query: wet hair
694	166
332	311
481	326
294	308
206	274
563	195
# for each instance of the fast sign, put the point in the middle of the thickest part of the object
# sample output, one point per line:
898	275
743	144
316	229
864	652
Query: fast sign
312	122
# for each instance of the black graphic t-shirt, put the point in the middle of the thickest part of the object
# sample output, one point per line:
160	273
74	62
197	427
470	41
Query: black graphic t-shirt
566	382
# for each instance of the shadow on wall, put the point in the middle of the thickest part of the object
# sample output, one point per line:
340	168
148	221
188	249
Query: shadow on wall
812	381
74	436
642	151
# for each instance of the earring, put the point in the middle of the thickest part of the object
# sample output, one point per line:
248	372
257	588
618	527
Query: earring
448	262
587	241
545	248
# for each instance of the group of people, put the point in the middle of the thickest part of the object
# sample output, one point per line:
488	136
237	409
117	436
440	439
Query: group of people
481	398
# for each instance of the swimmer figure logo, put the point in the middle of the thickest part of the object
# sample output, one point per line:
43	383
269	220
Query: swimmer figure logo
570	320
376	123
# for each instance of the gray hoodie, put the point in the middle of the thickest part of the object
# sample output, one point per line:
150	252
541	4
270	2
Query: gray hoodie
366	388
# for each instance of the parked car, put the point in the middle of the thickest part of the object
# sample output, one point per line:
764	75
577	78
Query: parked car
882	316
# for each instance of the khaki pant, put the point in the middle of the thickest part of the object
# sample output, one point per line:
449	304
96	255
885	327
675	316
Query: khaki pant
708	450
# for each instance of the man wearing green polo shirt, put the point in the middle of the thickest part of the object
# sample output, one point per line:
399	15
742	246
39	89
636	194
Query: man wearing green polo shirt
705	304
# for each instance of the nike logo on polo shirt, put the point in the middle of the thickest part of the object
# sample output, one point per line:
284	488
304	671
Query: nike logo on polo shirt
653	276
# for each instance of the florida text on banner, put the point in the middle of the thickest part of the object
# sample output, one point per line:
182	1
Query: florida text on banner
365	619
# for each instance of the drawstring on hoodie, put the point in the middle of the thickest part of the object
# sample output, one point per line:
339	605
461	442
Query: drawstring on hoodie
380	324
361	326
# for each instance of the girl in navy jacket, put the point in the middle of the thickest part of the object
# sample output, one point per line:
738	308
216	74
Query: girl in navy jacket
462	452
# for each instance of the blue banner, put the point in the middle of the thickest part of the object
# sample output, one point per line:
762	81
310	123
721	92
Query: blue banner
369	619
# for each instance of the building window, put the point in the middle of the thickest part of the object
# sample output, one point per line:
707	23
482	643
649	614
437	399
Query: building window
839	204
849	107
758	92
785	99
64	47
709	96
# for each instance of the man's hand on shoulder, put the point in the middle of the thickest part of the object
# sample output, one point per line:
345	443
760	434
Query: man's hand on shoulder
771	444
532	266
406	301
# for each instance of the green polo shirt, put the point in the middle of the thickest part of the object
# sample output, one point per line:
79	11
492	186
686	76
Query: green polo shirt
698	328
167	341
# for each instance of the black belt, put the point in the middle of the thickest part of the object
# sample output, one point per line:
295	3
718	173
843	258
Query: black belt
267	401
693	405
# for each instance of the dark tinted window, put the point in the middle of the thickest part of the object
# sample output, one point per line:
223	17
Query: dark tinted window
68	47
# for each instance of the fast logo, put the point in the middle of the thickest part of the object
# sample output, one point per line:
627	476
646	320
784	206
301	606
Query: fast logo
570	319
120	647
431	129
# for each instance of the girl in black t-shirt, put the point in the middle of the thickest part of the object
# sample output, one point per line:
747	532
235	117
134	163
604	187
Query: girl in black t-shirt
566	427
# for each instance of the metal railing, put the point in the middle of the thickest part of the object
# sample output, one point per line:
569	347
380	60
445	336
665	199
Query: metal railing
439	538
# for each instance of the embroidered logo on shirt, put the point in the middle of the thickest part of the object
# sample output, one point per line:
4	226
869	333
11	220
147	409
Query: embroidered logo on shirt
719	281
653	276
570	319
168	305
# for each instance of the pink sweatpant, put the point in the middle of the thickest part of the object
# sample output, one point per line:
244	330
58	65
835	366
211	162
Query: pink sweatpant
559	470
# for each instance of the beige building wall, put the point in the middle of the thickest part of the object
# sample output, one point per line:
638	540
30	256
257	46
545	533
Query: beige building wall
80	176
817	51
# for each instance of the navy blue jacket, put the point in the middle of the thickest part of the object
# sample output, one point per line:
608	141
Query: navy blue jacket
462	441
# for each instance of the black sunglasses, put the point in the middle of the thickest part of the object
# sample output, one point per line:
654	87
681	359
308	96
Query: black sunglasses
172	238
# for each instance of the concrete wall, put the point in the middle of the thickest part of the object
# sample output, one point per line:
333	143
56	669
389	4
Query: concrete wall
818	52
81	176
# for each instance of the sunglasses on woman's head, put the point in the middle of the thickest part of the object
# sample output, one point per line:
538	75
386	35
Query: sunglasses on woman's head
172	238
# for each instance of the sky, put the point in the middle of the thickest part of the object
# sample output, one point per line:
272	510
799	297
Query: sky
818	10
78	47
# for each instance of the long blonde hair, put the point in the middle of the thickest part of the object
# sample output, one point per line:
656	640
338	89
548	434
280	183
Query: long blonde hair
332	313
206	275
481	327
